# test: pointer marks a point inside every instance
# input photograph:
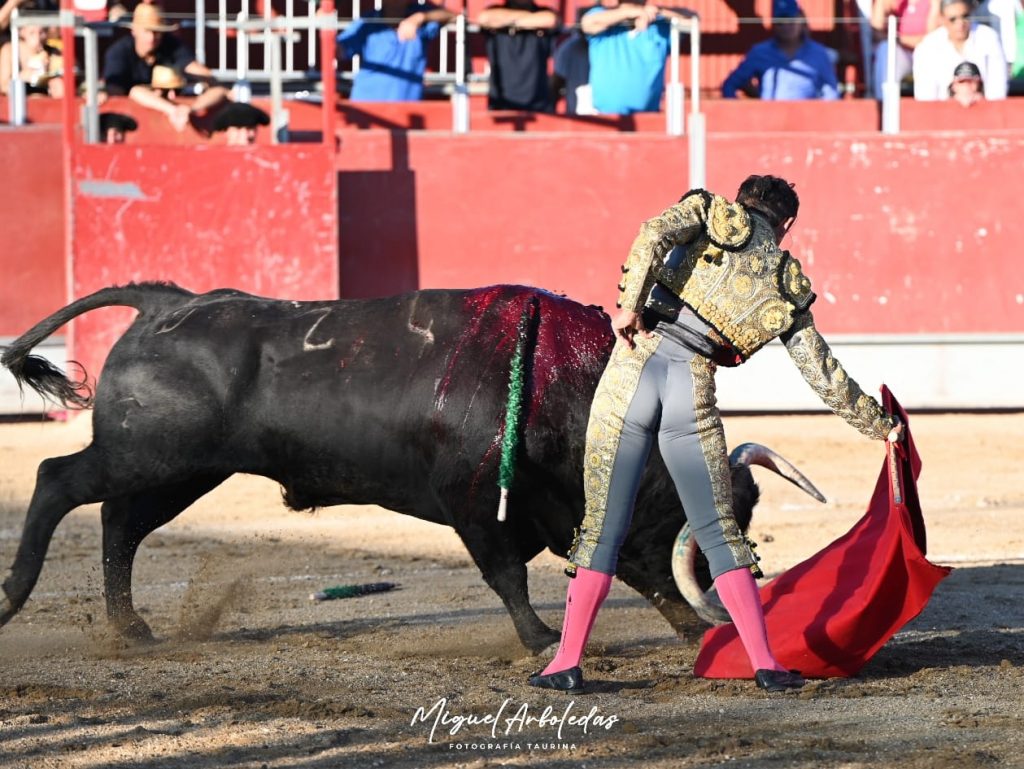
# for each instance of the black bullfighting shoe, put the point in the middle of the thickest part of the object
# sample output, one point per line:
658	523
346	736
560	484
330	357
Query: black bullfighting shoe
570	680
778	680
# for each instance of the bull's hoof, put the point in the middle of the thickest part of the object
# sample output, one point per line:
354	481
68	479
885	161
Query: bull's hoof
570	681
134	630
778	680
542	643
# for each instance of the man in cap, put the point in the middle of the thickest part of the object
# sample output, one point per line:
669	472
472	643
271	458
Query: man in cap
114	126
239	123
129	65
788	66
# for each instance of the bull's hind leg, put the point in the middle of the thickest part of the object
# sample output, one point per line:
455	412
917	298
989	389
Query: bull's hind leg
62	484
127	521
503	564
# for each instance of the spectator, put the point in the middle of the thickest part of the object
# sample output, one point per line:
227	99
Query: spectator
519	37
629	42
239	123
393	56
967	86
571	73
1007	18
130	64
39	66
789	66
914	19
7	8
114	126
958	39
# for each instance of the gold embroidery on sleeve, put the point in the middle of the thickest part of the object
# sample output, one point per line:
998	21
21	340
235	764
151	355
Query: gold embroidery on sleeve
829	380
657	237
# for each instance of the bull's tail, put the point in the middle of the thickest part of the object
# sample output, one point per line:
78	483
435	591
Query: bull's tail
49	381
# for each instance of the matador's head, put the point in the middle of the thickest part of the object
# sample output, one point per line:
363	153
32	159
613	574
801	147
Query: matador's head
772	196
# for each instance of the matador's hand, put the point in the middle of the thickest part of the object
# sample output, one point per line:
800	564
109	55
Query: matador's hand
626	324
896	433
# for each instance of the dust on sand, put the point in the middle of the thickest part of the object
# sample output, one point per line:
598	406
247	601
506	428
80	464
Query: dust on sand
250	673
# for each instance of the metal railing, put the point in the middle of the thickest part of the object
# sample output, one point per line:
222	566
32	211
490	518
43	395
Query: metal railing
891	85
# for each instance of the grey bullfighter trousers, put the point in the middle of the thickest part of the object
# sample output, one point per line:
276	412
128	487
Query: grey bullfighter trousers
659	388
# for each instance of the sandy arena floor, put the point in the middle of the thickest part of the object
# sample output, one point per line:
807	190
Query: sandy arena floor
251	673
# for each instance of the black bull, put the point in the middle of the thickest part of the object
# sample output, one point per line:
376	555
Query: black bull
398	402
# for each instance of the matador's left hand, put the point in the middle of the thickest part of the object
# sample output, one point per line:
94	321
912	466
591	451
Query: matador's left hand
626	324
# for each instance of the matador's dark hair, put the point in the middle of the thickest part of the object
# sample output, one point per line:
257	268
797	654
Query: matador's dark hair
771	195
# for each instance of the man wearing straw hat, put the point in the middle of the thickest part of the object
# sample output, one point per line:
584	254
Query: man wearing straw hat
132	62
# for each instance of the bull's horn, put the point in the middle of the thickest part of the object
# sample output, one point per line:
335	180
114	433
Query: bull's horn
756	454
684	560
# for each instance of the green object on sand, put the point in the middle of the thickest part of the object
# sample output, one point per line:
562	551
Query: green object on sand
351	591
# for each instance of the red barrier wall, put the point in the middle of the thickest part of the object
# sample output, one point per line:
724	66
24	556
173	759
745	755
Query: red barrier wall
259	219
900	235
32	258
723	116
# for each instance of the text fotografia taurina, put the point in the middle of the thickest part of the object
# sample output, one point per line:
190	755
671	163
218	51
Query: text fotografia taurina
508	719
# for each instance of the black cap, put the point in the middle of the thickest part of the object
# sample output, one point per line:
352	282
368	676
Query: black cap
966	69
239	115
115	120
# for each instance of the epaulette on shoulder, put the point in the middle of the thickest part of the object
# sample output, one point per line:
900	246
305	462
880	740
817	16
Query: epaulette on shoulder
704	194
729	225
795	285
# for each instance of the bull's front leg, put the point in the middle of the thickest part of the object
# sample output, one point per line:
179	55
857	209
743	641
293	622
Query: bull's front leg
503	566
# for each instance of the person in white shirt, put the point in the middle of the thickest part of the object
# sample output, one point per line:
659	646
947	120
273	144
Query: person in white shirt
1004	16
959	39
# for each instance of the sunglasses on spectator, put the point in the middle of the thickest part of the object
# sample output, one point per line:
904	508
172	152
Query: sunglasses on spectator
954	19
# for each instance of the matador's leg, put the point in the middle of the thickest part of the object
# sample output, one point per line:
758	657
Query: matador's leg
692	442
623	417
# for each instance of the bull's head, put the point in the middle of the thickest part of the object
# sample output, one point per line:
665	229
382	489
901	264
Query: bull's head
694	583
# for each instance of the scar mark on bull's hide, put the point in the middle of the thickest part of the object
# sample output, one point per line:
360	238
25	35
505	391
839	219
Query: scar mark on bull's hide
127	414
416	327
426	333
172	323
307	345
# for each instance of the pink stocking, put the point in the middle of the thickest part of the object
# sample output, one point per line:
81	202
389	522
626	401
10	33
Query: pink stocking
587	591
738	592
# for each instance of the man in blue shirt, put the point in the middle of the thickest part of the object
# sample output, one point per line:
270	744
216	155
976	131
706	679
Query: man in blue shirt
392	55
789	66
629	42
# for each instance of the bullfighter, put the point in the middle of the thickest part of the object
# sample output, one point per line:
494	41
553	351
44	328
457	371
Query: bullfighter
705	284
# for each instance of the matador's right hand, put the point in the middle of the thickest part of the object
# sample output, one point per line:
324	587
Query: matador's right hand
626	324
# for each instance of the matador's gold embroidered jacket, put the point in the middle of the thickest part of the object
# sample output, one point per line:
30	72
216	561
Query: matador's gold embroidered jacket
734	276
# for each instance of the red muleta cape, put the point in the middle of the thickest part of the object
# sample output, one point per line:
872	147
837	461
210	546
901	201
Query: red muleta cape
827	616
